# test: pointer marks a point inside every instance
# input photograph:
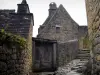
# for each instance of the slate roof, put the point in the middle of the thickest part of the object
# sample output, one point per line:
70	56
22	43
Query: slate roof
16	23
61	11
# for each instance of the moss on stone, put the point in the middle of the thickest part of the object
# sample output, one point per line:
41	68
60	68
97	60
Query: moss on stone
11	40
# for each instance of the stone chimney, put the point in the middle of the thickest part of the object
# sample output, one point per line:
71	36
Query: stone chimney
52	8
23	7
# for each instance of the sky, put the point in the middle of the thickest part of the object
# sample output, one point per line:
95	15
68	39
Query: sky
76	9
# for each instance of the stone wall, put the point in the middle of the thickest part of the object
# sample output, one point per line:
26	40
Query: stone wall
66	31
83	31
92	7
13	61
93	15
15	55
4	18
16	61
67	52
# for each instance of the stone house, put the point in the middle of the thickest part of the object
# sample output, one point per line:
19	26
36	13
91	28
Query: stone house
59	27
16	61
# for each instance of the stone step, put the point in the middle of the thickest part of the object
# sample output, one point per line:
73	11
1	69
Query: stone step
83	61
83	51
85	57
82	55
86	49
74	66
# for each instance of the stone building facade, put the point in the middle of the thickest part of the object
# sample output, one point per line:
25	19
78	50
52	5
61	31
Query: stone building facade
60	24
47	54
93	15
14	61
61	27
19	23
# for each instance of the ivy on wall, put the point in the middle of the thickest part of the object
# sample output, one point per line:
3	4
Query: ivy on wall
84	42
11	40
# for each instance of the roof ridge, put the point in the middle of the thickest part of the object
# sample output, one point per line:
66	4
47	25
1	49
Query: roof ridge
24	2
62	10
49	21
52	18
66	13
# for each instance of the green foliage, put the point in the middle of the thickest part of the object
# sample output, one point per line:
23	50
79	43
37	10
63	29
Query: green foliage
11	40
2	30
86	42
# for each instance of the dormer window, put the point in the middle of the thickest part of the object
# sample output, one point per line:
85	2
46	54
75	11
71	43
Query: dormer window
58	27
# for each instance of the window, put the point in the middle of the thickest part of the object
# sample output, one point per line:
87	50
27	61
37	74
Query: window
57	29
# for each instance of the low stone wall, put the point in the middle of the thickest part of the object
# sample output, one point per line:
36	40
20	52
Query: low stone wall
13	61
67	52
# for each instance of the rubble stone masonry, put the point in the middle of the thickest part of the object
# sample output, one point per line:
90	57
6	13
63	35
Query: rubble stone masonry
93	15
14	61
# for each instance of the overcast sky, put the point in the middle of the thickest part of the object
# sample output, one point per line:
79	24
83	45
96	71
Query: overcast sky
76	8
